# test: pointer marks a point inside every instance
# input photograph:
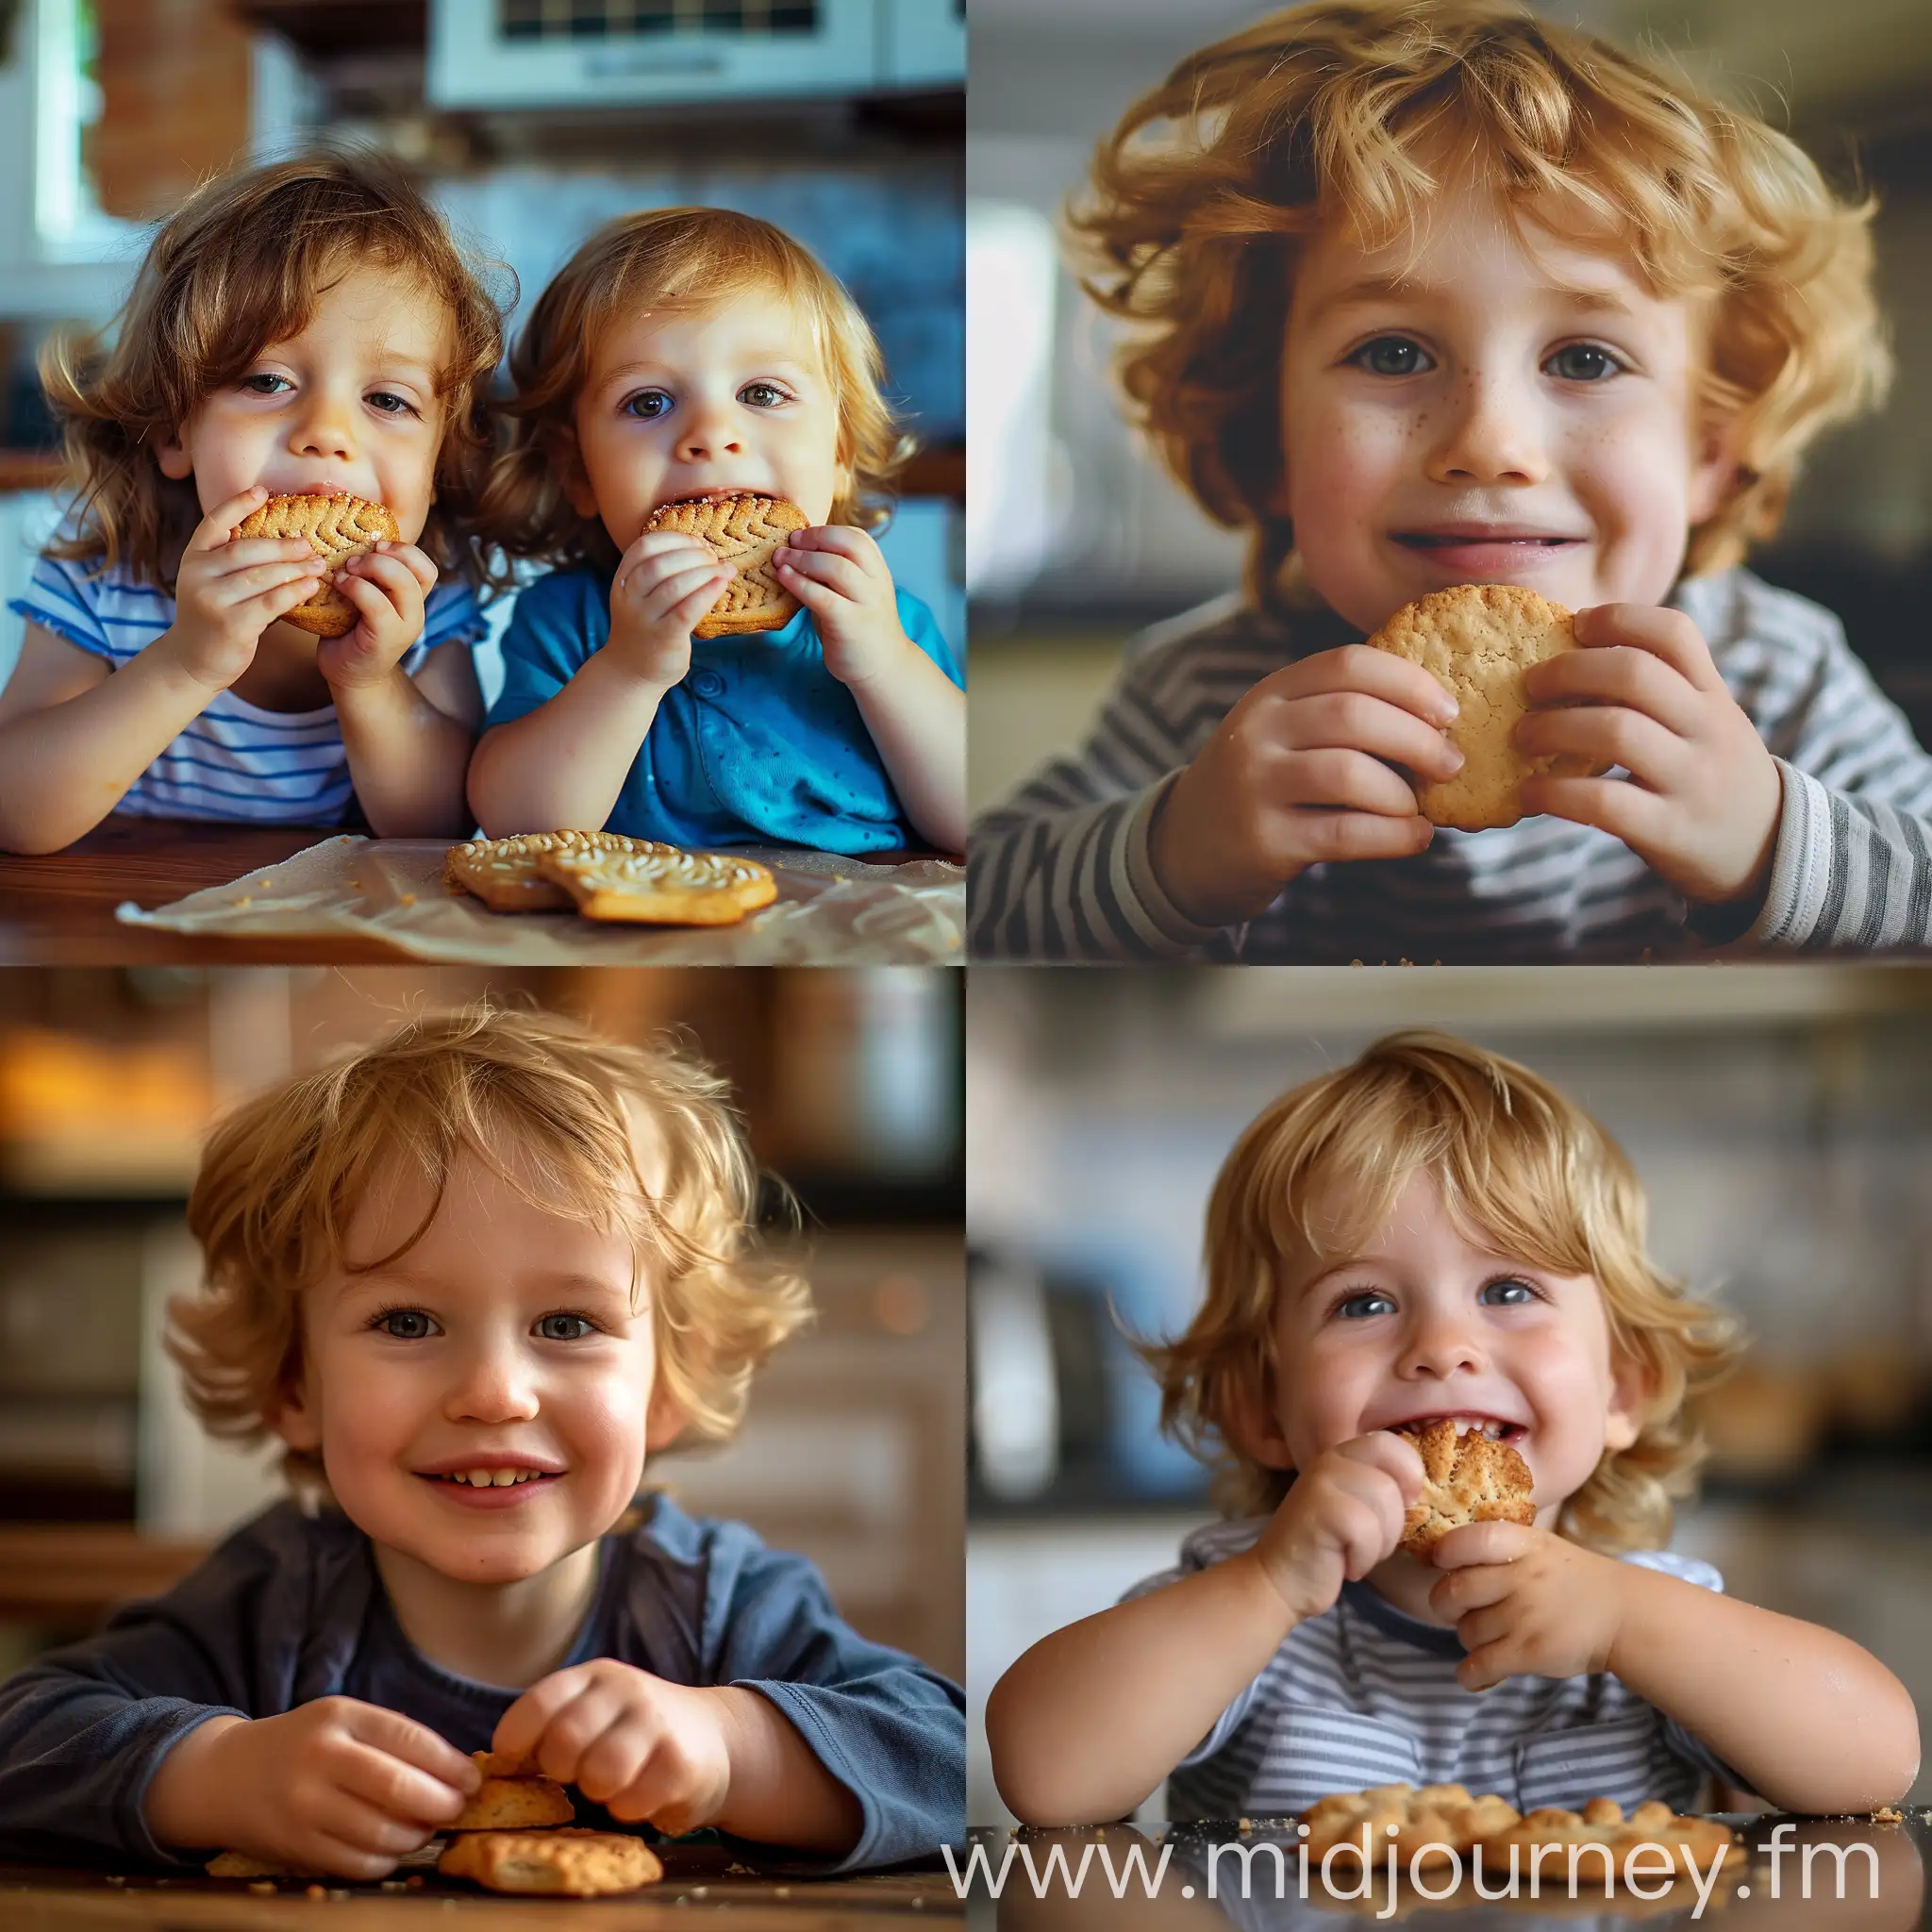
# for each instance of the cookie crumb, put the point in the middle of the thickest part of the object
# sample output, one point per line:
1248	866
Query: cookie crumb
1888	1814
263	1888
413	1882
316	1891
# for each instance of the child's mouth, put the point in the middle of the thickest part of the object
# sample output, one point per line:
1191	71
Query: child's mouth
1492	1427
1461	555
490	1489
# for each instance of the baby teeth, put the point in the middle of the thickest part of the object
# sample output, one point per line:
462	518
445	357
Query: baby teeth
499	1479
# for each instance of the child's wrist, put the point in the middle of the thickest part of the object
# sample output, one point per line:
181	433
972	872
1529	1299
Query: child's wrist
185	1805
873	663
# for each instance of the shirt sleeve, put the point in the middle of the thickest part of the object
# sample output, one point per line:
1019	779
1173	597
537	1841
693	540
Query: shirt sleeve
922	627
891	1730
451	615
548	641
62	597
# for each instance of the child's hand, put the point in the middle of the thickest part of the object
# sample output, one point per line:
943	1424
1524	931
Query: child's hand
1526	1603
1302	770
386	585
839	574
229	589
636	1744
664	585
1342	1516
1702	800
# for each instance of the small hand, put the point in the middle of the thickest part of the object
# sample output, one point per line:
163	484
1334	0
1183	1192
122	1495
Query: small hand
386	585
839	574
1526	1602
665	584
638	1745
1341	1517
231	589
1703	796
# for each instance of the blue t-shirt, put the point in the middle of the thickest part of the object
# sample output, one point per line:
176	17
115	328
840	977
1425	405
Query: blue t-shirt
759	744
292	1608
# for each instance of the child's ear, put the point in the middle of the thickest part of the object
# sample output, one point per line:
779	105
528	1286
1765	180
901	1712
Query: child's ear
1715	474
1631	1389
177	464
292	1416
568	461
1254	1431
664	1422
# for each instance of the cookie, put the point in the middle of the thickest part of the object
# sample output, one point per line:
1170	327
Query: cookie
747	531
503	872
240	1865
512	1800
1442	1819
1695	1843
338	528
1477	640
1469	1479
668	888
577	1862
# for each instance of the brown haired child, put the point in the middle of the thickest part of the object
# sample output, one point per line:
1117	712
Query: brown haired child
472	1276
306	328
1428	293
1436	1233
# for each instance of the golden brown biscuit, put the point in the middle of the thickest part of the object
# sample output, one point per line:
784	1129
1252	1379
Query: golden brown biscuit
338	528
1691	1842
1469	1479
576	1861
1442	1820
504	872
1477	639
513	1799
662	888
240	1865
747	531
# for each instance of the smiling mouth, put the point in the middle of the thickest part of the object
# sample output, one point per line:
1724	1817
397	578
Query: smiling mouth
1491	1426
495	1478
1425	540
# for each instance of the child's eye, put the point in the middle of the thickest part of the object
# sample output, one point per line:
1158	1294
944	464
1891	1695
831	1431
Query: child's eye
389	404
1583	362
260	384
548	1327
1365	1302
1392	355
405	1325
648	405
762	395
1509	1293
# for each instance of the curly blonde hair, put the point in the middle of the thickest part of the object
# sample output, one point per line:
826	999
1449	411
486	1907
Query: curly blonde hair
1202	199
551	1110
1522	1170
237	267
680	259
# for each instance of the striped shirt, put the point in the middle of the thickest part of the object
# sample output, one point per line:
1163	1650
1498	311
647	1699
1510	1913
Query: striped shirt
1061	871
1365	1694
235	760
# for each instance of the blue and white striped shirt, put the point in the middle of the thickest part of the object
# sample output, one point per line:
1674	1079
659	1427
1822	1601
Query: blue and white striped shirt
236	760
1365	1695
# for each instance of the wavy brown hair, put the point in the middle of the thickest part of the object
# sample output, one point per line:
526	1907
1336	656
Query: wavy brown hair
677	259
1523	1170
237	267
552	1111
1201	201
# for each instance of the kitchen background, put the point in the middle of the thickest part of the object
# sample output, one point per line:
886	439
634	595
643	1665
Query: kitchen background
1780	1120
849	1085
533	121
1077	539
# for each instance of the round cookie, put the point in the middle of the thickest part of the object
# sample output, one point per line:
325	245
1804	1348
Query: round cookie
747	531
506	873
574	1861
338	529
1468	1478
1476	641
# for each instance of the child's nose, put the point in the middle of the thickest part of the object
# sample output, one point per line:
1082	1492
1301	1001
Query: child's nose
495	1385
324	428
1491	435
709	433
1441	1345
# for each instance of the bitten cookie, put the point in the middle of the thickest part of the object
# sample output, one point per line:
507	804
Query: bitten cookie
669	887
1699	1842
1470	1478
506	874
747	531
512	1800
1477	639
338	528
579	1862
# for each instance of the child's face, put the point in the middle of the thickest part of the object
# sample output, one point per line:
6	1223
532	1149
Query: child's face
1492	415
504	1338
1424	1325
709	402
350	404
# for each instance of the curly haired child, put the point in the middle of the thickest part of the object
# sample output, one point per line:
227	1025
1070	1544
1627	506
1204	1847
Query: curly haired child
472	1276
1436	1232
306	328
1435	292
688	352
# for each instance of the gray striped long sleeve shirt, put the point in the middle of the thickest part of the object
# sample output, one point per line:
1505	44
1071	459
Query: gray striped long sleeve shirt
1060	871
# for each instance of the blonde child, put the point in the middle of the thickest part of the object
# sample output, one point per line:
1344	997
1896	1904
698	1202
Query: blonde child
490	1247
1437	293
686	353
306	327
1434	1231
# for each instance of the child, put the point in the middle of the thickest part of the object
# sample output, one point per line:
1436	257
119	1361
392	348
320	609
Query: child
1434	1231
303	328
1446	293
490	1246
686	353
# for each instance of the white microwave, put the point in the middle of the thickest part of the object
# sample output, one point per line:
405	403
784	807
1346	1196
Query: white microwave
504	53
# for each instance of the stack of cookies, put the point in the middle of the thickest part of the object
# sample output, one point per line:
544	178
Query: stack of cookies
515	1835
607	876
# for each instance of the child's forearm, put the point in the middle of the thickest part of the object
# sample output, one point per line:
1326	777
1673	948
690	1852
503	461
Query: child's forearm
186	1805
64	768
780	1795
917	718
562	766
1090	1720
407	759
1808	1719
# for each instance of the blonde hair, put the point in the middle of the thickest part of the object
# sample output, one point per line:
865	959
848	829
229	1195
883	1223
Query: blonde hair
239	266
1521	1169
550	1110
680	259
1203	197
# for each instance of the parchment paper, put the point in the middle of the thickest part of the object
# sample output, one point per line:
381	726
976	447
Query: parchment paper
829	912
